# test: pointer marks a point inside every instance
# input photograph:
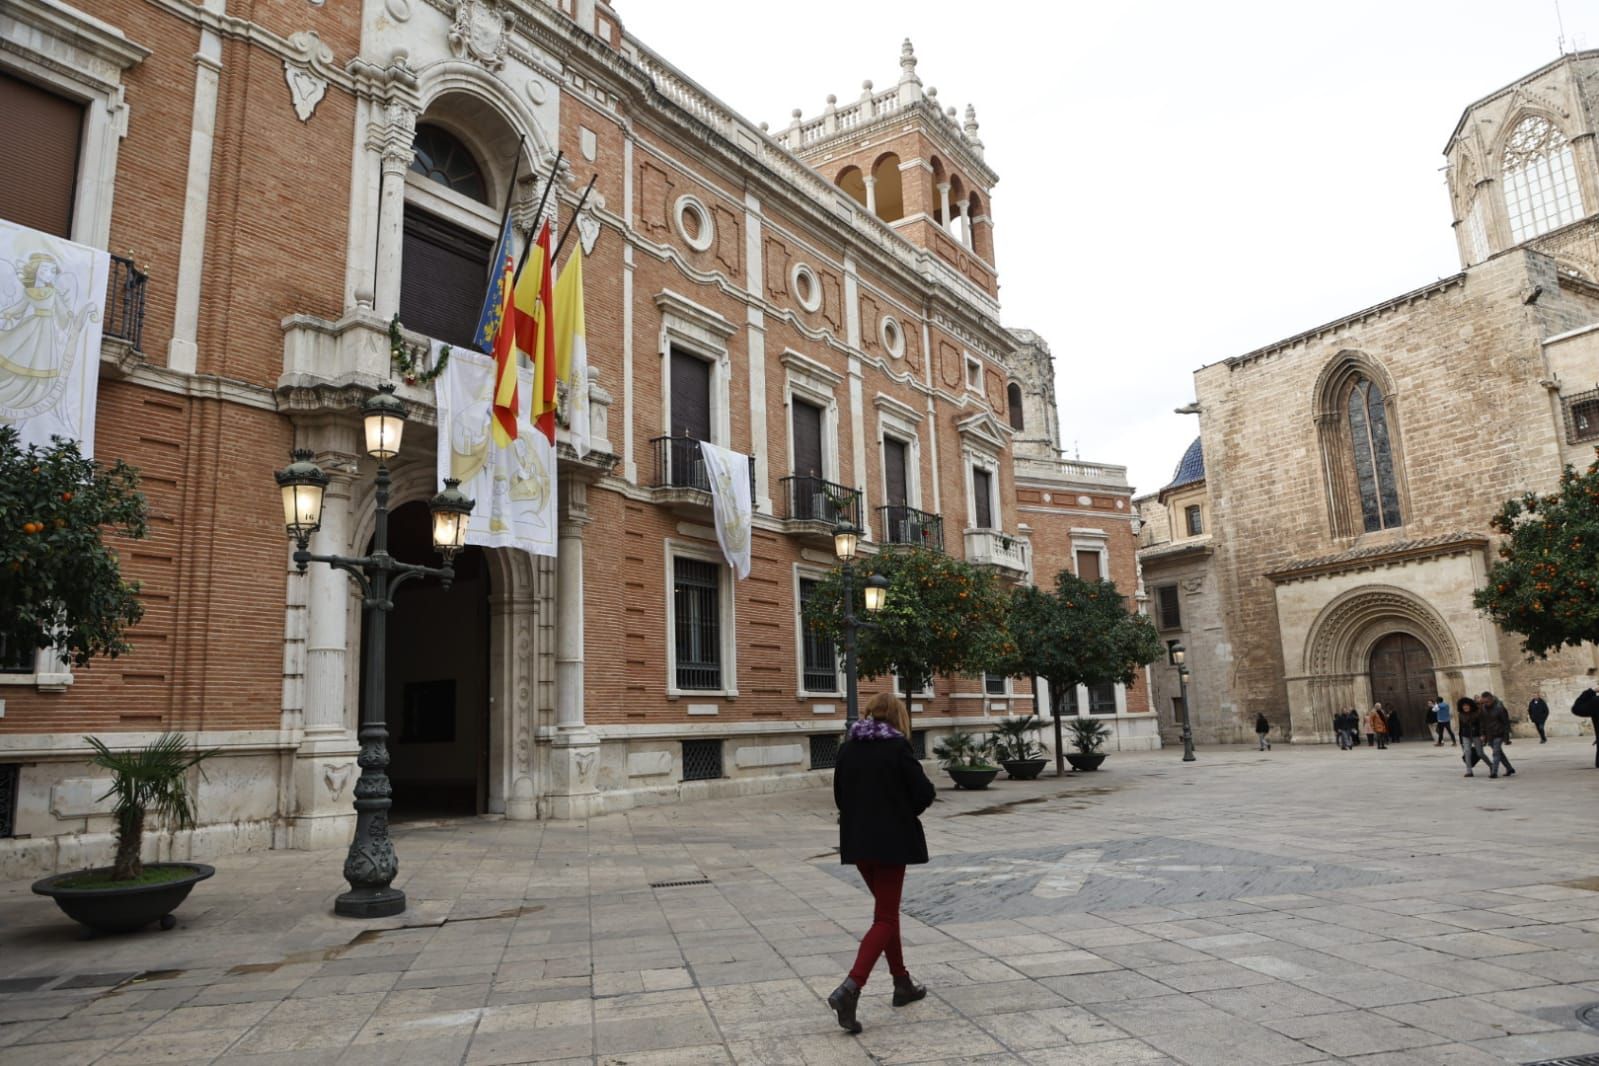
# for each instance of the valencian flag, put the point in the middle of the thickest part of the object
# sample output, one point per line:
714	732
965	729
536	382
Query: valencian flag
534	316
571	350
502	264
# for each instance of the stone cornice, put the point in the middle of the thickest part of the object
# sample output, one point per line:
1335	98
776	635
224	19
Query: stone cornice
1380	556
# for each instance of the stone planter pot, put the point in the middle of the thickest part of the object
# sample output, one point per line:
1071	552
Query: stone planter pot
1080	761
122	909
966	777
1024	769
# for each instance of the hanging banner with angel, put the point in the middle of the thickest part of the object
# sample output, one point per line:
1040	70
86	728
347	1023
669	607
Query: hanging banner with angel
52	295
514	486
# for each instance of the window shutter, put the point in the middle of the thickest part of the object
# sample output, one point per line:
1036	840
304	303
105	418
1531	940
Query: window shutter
443	278
691	396
807	440
983	498
45	130
1088	566
894	471
1169	606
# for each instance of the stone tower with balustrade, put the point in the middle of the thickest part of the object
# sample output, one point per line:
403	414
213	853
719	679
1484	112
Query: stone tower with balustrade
915	165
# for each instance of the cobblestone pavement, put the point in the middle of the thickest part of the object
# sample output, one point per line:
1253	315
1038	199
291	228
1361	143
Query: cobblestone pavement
1297	906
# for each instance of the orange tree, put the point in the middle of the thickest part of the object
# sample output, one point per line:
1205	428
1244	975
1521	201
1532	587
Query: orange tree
941	616
1544	585
59	583
1080	634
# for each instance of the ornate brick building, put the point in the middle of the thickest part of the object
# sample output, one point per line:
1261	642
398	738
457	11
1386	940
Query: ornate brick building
1351	470
279	180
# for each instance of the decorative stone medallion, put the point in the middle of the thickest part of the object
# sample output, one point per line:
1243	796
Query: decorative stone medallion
481	31
301	71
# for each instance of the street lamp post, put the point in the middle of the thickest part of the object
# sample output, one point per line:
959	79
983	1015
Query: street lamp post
370	866
846	539
1179	656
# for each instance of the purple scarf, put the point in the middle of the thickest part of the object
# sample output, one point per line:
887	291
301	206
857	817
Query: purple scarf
872	729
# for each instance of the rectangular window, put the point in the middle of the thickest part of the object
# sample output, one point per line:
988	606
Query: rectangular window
894	467
974	373
1102	699
1582	416
702	760
919	742
697	612
1088	566
1168	608
46	130
1068	703
1196	521
443	275
824	751
982	498
994	684
691	396
16	660
821	657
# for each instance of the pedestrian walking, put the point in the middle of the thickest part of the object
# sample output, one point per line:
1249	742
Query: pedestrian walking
1496	733
1586	706
1538	714
1262	727
1377	728
1396	732
1345	729
880	790
1441	707
1471	743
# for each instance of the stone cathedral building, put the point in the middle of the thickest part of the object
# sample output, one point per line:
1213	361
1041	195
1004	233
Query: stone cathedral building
1326	552
277	181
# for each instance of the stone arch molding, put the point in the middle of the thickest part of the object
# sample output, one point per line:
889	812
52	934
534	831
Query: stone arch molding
1345	630
458	76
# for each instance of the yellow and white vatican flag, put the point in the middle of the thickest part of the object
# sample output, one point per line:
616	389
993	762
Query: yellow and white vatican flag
52	300
729	475
514	485
571	351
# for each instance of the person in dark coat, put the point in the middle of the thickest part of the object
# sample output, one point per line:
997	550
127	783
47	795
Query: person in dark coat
880	790
1586	706
1538	714
1471	749
1496	731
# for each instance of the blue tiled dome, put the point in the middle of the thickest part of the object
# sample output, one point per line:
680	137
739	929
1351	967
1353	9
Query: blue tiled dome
1190	468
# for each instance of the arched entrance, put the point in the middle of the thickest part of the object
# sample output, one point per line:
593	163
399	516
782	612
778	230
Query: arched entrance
438	678
1402	680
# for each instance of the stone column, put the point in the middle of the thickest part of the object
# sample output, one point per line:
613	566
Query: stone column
574	750
325	764
871	193
966	224
182	349
397	156
943	203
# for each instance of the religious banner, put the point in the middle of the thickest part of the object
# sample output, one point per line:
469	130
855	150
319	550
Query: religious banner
52	300
729	475
514	485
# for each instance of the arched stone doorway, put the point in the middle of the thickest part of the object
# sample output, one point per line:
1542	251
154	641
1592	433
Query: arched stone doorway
1403	680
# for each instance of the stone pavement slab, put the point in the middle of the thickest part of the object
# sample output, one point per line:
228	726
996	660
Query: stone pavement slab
1212	912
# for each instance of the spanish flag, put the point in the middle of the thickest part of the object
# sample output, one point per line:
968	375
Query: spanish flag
571	350
506	406
535	332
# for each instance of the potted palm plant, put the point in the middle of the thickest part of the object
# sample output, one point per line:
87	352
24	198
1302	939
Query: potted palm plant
1019	752
130	894
965	758
1089	735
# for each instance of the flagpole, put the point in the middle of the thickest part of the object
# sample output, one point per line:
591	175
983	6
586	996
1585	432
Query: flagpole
555	168
555	255
510	192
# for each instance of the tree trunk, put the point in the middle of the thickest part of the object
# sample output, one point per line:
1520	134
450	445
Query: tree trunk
130	836
1060	746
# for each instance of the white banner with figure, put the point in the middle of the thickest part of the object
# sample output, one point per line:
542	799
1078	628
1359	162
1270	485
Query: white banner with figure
514	486
729	475
52	307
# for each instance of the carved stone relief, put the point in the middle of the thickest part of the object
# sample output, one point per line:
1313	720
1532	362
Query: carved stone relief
655	187
481	31
336	777
305	72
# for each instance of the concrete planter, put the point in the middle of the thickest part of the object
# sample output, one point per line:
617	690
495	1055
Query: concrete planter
122	909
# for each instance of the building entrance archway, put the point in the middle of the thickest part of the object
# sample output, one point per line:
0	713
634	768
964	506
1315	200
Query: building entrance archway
1403	680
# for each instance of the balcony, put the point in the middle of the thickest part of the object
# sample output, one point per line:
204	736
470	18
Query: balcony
899	524
680	471
815	506
991	547
124	298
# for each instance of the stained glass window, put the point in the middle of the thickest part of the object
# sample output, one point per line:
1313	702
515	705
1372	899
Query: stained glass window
441	157
1541	190
1375	477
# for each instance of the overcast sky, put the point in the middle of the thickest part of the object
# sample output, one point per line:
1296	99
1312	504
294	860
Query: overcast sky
1179	182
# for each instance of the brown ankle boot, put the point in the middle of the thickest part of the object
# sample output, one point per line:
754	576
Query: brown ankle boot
845	998
907	991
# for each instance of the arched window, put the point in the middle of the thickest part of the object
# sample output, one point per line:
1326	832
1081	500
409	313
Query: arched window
1541	190
888	192
853	182
441	157
1013	396
1373	455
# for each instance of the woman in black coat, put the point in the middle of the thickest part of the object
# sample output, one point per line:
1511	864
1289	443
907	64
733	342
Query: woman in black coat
880	790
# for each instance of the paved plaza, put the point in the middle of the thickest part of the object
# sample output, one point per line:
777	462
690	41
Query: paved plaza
1300	906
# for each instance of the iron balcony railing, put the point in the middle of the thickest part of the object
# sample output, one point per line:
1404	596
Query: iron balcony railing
907	525
811	499
124	297
679	464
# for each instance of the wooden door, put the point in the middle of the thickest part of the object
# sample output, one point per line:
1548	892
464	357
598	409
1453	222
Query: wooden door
1402	680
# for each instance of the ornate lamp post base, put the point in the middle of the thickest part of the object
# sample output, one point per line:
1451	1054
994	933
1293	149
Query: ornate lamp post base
369	903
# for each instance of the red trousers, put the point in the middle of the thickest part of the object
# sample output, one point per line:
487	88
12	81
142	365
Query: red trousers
886	883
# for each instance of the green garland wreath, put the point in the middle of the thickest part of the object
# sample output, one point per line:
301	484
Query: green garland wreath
408	362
